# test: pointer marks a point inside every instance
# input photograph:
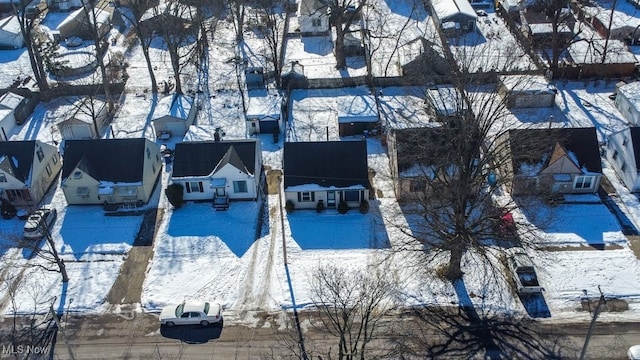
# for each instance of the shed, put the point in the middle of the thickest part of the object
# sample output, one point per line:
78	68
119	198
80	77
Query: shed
264	112
86	122
619	61
173	115
76	24
9	104
357	114
454	14
527	91
10	34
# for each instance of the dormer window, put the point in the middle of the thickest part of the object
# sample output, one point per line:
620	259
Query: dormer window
77	175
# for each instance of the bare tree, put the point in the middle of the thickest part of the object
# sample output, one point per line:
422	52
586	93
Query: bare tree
562	21
238	11
272	29
342	14
36	42
351	306
138	8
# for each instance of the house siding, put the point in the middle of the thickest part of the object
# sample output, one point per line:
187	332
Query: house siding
620	155
318	195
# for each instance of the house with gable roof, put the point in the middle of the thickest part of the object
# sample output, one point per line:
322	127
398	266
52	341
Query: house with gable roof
110	171
552	161
329	171
173	115
27	171
623	154
454	16
218	171
88	121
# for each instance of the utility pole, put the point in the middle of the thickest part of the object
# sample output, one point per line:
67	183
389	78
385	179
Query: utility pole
601	302
56	319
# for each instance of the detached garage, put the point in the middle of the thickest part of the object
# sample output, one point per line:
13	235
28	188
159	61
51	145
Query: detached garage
264	112
87	122
173	116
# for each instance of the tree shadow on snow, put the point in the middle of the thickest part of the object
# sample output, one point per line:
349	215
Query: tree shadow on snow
462	332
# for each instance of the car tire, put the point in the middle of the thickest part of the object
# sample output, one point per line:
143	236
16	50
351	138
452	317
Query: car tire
204	323
170	324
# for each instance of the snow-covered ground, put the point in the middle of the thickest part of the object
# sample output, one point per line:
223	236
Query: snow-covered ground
201	253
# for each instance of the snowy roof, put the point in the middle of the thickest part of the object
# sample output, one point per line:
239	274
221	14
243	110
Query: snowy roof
361	107
445	9
590	52
547	28
173	8
445	99
177	106
10	25
527	83
10	100
631	91
623	16
263	103
102	16
86	108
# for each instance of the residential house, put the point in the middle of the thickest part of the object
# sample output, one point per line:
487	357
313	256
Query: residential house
10	34
628	102
173	115
88	120
527	91
264	112
312	18
218	171
331	172
550	161
11	105
418	157
110	171
27	171
623	154
454	16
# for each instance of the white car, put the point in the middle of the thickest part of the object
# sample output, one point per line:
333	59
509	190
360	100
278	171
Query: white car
190	313
634	352
36	223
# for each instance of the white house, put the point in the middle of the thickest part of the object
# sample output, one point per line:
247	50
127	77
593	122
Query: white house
173	115
628	102
623	154
9	102
87	122
313	18
10	34
27	171
218	171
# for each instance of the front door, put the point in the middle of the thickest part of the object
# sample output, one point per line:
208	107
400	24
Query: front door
331	199
220	192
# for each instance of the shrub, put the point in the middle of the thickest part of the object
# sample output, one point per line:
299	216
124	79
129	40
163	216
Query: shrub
174	194
320	206
343	207
289	206
364	206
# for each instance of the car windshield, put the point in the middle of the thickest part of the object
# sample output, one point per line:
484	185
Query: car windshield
179	310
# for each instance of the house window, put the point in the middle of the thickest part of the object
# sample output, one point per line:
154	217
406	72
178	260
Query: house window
157	157
3	177
352	195
148	153
194	186
40	154
583	182
306	196
48	168
83	192
418	185
240	186
77	175
316	22
55	159
615	154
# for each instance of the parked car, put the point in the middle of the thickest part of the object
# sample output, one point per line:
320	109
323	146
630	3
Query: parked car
634	352
524	274
35	225
190	313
